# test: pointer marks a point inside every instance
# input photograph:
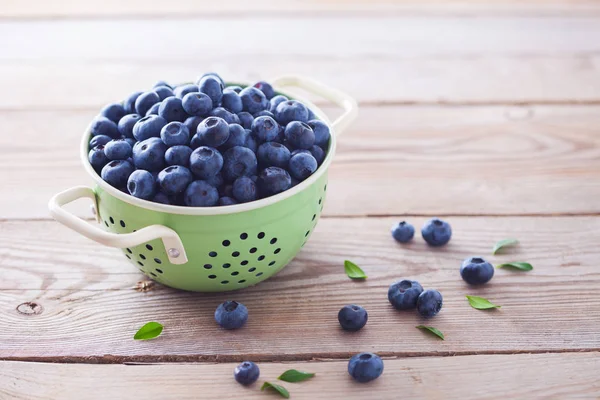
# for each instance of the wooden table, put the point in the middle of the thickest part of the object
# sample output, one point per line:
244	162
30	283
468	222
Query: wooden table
484	113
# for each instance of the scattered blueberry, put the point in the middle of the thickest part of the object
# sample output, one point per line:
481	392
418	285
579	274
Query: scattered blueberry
174	179
291	110
231	315
476	271
149	154
429	303
141	184
181	91
265	129
145	101
302	166
352	318
153	110
273	154
229	117
104	126
365	367
117	149
129	103
273	180
403	294
197	104
99	140
148	127
246	119
213	87
127	123
114	112
239	161
300	135
237	137
178	155
436	232
232	101
253	100
321	131
163	92
116	173
171	109
244	189
227	201
97	158
175	133
403	232
206	162
275	101
200	194
213	131
246	373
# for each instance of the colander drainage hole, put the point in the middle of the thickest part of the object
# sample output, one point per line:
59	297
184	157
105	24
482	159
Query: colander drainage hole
262	257
277	251
157	260
273	241
129	250
149	247
244	236
128	256
153	274
212	277
252	269
242	281
226	265
207	266
325	188
314	216
320	200
122	223
212	254
224	282
141	263
234	273
253	250
159	270
235	254
143	257
306	234
112	221
271	263
259	274
106	223
260	235
245	262
226	243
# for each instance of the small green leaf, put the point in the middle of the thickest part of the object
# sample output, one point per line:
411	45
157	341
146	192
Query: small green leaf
149	331
504	243
353	271
480	303
431	329
279	389
523	266
293	375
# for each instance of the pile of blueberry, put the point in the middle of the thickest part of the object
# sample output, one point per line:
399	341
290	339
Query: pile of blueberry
206	144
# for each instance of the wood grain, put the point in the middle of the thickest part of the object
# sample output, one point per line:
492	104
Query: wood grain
90	307
477	160
564	376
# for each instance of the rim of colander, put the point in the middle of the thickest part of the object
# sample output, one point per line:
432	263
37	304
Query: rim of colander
217	210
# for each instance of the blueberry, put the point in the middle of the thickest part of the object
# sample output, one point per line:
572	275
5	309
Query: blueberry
291	110
192	124
231	315
352	318
178	155
145	101
104	126
244	189
163	92
197	104
301	151
321	131
129	103
200	194
246	373
237	137
160	84
206	162
273	154
235	88
403	294
127	123
275	101
266	88
117	149
365	367
195	142
302	166
227	201
264	113
476	271
318	153
162	198
239	161
232	101
175	133
251	142
116	173
114	112
174	179
154	109
429	303
265	129
216	181
253	100
171	109
273	180
229	117
214	75
141	184
97	158
245	119
99	140
299	135
226	190
213	87
131	141
181	91
149	154
213	131
403	232
148	127
436	232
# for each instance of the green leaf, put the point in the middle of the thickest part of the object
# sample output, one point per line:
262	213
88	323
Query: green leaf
480	303
353	271
279	389
293	375
149	331
431	329
504	243
523	266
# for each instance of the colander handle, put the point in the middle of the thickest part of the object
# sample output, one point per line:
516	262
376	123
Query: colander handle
336	96
170	238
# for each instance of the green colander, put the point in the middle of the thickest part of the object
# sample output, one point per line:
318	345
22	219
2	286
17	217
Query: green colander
211	249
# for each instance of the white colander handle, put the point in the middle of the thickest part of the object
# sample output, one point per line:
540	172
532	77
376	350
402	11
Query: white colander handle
170	238
335	96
